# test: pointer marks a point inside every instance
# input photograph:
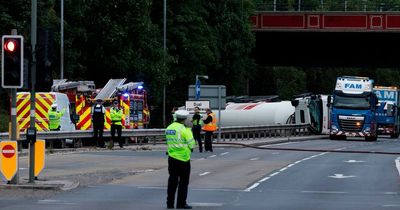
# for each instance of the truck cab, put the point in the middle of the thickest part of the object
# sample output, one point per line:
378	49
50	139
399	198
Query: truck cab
387	114
353	109
312	109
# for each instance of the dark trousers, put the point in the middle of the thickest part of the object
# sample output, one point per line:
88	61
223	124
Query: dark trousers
208	141
119	129
197	137
179	173
98	133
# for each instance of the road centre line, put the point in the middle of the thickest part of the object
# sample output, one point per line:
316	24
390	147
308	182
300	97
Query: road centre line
281	170
255	158
224	153
205	173
212	156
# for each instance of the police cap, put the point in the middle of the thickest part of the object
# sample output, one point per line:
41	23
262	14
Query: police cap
182	114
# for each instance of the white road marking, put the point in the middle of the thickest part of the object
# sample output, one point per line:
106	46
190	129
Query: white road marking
341	176
391	205
325	192
354	161
205	173
213	156
390	193
255	158
224	153
275	153
398	164
201	158
252	187
23	168
206	204
281	170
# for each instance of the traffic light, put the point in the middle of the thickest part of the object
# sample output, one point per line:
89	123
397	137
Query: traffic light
12	64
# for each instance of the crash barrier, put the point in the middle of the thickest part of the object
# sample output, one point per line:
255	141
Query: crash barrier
236	133
157	135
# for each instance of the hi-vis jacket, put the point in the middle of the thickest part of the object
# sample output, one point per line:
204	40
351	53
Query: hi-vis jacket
179	141
116	116
211	126
55	119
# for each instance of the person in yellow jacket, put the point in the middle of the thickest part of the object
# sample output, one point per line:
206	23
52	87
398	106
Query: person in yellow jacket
55	118
116	124
210	125
180	144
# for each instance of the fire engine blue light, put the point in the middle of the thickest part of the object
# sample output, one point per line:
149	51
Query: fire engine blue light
126	95
140	87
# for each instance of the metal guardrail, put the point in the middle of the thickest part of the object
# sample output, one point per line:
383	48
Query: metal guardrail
227	133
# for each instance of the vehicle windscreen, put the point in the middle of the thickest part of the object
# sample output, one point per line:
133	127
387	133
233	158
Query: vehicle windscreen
351	102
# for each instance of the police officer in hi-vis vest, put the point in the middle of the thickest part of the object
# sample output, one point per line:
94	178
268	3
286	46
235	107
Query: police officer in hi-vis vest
180	146
116	124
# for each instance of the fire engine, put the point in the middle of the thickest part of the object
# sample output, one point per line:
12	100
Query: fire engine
132	97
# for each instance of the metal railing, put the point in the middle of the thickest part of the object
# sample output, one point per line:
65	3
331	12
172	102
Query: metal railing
326	5
155	135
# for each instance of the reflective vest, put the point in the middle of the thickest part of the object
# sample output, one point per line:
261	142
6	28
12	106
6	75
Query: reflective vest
116	116
180	141
98	113
197	122
55	119
211	126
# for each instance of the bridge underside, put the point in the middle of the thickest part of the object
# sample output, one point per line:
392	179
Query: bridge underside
328	49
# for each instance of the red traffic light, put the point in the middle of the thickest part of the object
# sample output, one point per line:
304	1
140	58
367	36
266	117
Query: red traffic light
10	45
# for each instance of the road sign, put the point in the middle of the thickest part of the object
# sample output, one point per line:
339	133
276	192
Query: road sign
9	159
197	89
203	105
40	146
212	93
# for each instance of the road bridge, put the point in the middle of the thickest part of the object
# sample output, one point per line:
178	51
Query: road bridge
327	39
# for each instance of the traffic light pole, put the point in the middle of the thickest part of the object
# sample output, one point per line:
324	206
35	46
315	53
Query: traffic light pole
33	83
14	180
13	136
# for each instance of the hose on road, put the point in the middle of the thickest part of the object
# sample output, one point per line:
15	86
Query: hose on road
308	150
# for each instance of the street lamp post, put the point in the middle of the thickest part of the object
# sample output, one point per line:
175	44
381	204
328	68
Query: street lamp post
165	51
198	84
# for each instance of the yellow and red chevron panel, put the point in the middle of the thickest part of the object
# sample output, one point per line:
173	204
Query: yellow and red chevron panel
42	106
107	123
84	112
125	110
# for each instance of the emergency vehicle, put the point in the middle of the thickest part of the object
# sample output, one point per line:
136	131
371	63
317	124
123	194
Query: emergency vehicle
132	97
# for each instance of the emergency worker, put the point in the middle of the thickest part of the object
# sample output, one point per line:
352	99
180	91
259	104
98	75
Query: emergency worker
180	146
196	129
116	124
174	109
98	119
55	118
210	125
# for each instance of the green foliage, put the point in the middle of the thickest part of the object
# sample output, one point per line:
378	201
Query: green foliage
106	39
289	81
